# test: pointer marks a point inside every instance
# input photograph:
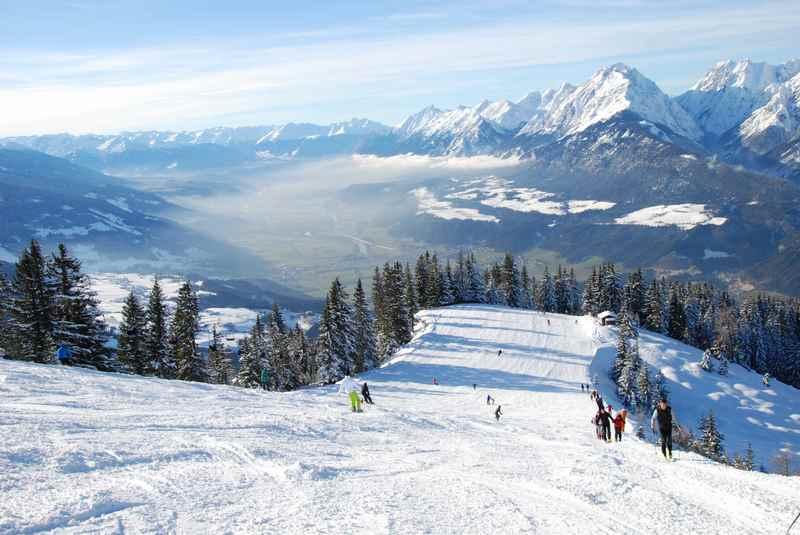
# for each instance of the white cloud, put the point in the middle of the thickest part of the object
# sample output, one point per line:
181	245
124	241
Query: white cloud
177	86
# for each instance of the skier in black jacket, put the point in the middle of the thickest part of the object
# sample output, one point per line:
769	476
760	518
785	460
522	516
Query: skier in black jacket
365	394
605	423
664	416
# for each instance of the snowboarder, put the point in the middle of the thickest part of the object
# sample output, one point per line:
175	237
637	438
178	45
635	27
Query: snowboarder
355	402
664	416
64	355
264	379
619	427
365	394
500	352
489	399
498	412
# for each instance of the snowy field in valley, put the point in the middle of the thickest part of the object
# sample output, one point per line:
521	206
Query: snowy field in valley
233	322
86	452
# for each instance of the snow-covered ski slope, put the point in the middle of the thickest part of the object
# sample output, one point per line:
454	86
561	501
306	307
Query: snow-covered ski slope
85	452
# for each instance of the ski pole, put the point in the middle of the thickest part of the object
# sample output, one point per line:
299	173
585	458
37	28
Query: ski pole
793	523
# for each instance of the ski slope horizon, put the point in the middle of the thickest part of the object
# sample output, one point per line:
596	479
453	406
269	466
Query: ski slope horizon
85	451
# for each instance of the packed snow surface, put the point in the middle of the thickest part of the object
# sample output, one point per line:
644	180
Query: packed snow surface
86	452
683	216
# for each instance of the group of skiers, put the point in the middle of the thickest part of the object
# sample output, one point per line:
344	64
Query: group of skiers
662	420
604	418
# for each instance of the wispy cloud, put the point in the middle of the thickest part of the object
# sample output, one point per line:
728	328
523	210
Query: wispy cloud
178	84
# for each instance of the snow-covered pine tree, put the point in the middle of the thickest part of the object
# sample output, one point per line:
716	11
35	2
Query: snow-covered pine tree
591	304
475	281
621	360
220	367
509	282
249	374
526	297
282	373
711	440
303	353
676	326
660	387
575	297
336	339
32	309
633	295
366	353
654	308
706	361
5	318
561	291
446	295
723	366
409	293
749	459
132	339
547	296
77	320
160	361
611	290
644	386
189	365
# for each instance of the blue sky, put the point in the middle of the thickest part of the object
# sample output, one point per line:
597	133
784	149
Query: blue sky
106	66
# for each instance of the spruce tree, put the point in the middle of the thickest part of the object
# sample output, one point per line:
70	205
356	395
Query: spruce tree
366	353
654	309
132	339
32	308
510	282
189	365
711	440
660	388
336	337
677	317
220	366
250	357
5	318
76	315
160	362
644	387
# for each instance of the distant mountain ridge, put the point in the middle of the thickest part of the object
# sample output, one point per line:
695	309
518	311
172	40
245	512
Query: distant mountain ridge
744	112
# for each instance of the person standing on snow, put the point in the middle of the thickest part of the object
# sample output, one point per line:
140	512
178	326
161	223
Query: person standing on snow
605	424
664	417
365	394
498	412
355	402
264	379
500	352
64	355
489	399
619	427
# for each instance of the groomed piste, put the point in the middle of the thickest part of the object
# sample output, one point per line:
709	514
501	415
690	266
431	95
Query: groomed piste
88	452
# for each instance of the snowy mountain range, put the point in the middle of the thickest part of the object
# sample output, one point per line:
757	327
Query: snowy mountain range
744	112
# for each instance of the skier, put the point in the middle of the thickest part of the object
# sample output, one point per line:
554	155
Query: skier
500	352
489	399
498	412
365	394
599	400
355	402
664	416
765	379
581	387
474	386
605	423
264	379
619	426
435	382
64	355
548	323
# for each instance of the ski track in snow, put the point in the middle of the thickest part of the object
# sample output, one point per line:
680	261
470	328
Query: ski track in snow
86	452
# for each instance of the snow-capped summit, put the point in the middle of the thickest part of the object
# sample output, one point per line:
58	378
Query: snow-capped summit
732	90
776	122
419	121
610	91
746	74
357	127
